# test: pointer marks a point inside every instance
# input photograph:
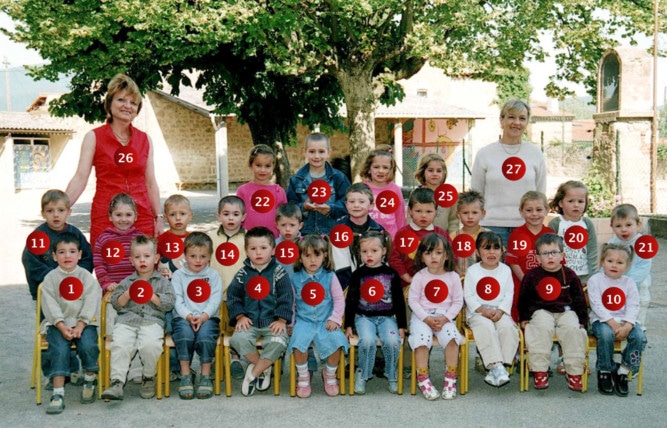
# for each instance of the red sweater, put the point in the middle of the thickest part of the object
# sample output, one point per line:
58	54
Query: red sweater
404	263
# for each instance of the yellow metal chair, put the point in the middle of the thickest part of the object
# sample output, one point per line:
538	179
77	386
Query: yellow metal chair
40	344
227	356
618	348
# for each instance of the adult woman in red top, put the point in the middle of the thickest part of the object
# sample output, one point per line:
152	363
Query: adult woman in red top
123	159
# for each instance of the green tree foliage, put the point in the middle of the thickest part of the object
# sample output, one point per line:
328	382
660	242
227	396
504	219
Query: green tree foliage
363	46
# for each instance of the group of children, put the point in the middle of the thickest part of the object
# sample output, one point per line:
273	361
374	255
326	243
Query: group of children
333	261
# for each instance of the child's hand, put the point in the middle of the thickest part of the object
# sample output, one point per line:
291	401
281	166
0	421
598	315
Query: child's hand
497	314
401	333
65	331
278	327
164	270
331	325
199	321
78	330
623	331
349	333
309	206
323	209
614	326
243	323
112	286
524	324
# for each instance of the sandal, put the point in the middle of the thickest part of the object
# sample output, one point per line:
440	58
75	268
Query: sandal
56	405
186	389
205	387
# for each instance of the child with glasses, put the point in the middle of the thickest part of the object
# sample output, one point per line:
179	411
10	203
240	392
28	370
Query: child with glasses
551	301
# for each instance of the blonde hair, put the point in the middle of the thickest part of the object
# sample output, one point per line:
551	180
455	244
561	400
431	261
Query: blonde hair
420	174
514	106
175	200
119	83
319	244
625	211
381	150
533	195
55	195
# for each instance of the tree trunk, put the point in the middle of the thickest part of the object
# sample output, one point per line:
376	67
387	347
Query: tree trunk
263	134
361	102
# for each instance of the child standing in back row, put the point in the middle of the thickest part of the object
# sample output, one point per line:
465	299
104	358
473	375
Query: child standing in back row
318	218
470	211
434	316
431	173
261	197
378	174
626	224
571	202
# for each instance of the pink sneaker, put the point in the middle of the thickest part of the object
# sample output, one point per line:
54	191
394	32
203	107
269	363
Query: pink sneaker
303	386
330	383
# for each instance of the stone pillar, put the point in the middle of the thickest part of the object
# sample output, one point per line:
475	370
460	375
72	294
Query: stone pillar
221	155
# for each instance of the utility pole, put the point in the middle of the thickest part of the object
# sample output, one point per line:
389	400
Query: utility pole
7	94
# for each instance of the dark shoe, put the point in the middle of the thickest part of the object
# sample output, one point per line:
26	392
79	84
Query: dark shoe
147	388
620	384
605	385
88	394
249	384
56	406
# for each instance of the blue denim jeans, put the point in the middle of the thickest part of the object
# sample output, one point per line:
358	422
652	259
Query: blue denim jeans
187	341
59	351
368	330
503	231
631	355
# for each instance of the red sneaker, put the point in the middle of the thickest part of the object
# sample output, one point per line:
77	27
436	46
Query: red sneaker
541	380
574	382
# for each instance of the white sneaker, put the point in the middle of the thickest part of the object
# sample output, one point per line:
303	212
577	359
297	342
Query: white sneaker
501	375
359	382
491	377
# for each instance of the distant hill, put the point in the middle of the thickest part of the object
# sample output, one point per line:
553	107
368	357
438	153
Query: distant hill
23	89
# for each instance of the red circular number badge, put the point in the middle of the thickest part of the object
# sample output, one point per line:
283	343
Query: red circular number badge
613	299
199	290
549	288
372	290
171	246
387	202
312	293
38	243
436	291
113	252
514	168
227	254
262	201
519	244
646	247
319	191
287	252
141	292
576	237
407	241
257	288
463	246
341	236
125	157
71	288
488	288
446	195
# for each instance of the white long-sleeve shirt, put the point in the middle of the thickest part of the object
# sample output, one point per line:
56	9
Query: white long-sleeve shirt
597	284
503	301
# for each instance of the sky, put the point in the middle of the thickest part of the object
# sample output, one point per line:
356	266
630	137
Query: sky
17	55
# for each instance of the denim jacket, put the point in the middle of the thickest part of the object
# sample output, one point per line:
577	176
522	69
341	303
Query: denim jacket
297	192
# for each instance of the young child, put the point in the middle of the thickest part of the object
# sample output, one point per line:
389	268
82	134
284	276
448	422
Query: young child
178	213
432	316
384	317
318	218
470	211
378	174
422	209
231	215
552	301
70	319
431	173
521	256
317	321
610	323
261	162
55	210
488	315
626	224
111	271
289	221
571	202
267	317
139	327
358	202
196	322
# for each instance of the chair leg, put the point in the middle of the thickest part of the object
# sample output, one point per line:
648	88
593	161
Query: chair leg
218	370
640	378
37	372
228	371
400	371
341	373
292	375
167	386
413	374
160	377
277	365
352	357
